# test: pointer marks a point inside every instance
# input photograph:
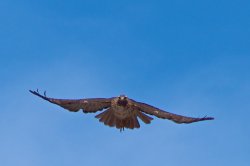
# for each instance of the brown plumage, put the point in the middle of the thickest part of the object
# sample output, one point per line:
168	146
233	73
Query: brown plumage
120	112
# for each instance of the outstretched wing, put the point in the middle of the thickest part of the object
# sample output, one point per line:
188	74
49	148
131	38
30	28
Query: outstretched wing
87	105
167	115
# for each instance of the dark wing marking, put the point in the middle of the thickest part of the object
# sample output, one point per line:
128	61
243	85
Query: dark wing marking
87	105
167	115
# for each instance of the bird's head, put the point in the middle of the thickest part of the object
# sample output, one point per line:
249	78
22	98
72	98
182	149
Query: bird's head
122	100
122	97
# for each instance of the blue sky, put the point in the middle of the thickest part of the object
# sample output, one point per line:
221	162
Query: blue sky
186	57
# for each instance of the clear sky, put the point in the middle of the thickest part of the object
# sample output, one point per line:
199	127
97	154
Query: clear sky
186	57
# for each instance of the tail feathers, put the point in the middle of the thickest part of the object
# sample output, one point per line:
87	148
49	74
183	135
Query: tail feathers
118	124
105	117
146	119
111	121
136	122
108	118
130	123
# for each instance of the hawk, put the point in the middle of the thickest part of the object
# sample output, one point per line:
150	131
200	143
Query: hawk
120	112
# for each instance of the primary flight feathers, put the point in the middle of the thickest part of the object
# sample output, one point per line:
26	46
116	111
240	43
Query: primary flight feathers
120	112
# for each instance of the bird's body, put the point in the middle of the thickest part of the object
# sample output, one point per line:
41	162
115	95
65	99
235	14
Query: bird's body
120	107
120	112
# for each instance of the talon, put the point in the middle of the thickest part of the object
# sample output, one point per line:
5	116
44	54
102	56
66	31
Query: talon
44	93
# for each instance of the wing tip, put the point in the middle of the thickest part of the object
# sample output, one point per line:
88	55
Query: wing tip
31	91
207	118
39	95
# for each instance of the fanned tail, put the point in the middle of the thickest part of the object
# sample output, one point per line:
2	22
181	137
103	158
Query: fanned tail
131	122
111	121
136	122
108	118
104	116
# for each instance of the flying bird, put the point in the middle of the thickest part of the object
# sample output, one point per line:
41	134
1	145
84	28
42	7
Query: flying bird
120	112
